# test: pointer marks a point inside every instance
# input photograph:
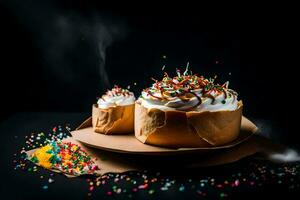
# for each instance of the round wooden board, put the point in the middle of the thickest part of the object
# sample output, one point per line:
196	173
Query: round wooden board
130	145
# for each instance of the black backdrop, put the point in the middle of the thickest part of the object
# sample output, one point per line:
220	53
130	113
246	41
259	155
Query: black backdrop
58	56
55	54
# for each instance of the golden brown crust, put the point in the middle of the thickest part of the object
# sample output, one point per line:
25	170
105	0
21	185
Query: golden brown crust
177	129
113	120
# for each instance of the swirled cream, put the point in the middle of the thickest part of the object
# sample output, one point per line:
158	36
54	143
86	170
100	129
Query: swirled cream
187	92
116	97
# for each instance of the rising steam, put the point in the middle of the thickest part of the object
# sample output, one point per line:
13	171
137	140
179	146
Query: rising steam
72	45
282	156
289	155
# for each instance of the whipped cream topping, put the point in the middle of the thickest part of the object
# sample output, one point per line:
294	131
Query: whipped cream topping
187	92
116	97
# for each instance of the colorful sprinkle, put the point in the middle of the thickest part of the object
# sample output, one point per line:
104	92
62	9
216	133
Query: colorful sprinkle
45	187
257	174
64	156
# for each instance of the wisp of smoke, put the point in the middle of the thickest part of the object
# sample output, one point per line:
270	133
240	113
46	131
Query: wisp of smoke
72	45
289	155
266	130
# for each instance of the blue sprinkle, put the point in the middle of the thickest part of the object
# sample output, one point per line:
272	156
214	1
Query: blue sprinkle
45	187
181	188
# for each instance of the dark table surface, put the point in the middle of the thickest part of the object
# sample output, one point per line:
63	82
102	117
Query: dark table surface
246	178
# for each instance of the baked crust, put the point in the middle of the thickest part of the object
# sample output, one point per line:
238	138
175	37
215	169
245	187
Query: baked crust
179	129
113	120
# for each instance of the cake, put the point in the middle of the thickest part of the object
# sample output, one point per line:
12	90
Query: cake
114	112
187	110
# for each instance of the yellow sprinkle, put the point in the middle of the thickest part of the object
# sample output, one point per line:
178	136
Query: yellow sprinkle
43	157
74	148
67	157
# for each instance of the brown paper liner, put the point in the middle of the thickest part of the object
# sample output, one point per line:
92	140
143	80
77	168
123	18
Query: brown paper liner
113	120
110	162
175	129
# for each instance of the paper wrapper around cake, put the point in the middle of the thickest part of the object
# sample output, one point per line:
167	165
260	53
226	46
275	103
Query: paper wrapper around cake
177	129
113	120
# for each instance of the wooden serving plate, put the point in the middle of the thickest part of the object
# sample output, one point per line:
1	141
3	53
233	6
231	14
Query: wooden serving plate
128	144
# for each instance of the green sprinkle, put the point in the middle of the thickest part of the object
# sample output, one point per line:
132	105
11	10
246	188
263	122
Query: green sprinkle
34	159
222	195
181	188
151	191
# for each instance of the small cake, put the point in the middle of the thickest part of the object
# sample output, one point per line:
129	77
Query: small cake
114	112
187	111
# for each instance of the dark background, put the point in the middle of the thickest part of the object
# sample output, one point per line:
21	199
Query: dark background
56	57
61	55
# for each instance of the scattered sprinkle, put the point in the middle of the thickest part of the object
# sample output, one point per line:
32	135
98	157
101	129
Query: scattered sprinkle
257	174
45	187
50	180
151	191
66	157
181	188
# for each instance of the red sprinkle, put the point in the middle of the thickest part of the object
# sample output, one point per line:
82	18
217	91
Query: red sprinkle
143	186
